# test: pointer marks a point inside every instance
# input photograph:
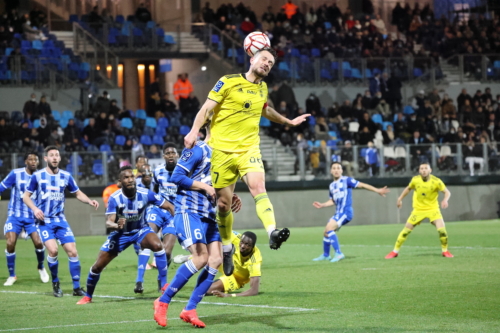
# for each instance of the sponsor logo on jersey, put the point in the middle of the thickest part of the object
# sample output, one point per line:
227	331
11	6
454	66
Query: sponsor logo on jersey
253	92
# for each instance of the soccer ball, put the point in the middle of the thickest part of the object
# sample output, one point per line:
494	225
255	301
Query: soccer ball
256	41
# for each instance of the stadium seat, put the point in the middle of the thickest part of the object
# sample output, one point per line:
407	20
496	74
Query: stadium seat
184	130
264	122
64	123
105	147
356	73
67	115
146	140
215	39
376	118
325	74
127	123
73	18
119	19
283	66
327	25
140	114
295	52
120	140
162	122
408	110
36	123
316	53
385	124
57	115
151	122
169	39
158	140
332	144
97	168
16	117
417	72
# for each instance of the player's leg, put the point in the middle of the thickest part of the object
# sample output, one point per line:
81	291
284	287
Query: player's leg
443	236
106	255
331	232
11	231
65	235
206	276
216	286
264	208
47	232
414	220
327	240
225	221
169	240
151	241
34	233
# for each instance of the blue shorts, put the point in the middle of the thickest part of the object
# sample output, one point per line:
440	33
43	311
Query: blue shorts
343	218
192	228
60	231
162	218
118	241
16	224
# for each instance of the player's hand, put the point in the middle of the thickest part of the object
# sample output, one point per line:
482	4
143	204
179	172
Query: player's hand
299	120
210	192
317	204
39	214
444	204
383	191
236	205
219	294
121	223
190	140
399	203
94	203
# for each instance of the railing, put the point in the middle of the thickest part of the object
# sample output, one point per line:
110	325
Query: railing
97	54
100	168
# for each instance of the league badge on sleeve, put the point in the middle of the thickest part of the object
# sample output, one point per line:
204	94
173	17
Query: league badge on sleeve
187	155
218	86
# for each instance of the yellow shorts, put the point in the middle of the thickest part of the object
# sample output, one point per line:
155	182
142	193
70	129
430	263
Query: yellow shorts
227	167
230	283
418	216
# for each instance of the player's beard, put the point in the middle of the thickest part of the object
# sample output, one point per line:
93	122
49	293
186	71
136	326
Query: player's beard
53	168
129	192
259	75
170	166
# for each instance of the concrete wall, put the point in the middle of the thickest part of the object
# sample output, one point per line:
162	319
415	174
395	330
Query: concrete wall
294	209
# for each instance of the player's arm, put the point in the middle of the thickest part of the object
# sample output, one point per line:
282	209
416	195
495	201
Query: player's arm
273	115
447	195
32	185
85	199
381	191
328	203
8	182
169	207
112	223
254	289
406	191
201	118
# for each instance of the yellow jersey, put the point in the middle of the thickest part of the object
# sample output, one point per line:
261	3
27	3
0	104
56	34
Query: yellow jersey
245	267
425	195
235	123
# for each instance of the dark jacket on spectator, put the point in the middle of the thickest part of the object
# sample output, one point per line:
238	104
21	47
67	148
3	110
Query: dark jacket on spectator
30	110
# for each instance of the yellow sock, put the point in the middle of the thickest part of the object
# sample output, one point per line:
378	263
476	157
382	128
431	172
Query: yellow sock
401	238
265	211
443	237
225	222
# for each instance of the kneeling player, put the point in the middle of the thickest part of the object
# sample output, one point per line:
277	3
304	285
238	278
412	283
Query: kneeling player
247	261
125	213
425	205
196	228
340	196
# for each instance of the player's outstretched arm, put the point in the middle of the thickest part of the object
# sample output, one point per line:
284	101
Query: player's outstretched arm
274	116
254	289
85	199
27	200
399	203
381	191
169	207
447	195
112	223
199	121
318	205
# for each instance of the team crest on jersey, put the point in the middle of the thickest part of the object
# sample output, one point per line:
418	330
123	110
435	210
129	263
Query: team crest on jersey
218	86
157	197
140	204
186	156
247	104
61	182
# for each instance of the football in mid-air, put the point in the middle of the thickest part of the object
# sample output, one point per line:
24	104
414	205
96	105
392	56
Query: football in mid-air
255	41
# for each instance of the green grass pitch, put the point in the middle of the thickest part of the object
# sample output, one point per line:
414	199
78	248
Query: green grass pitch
419	291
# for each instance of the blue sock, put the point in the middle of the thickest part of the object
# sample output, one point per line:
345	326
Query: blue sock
205	280
40	256
181	277
53	266
142	263
162	265
75	270
137	248
11	263
92	280
326	246
335	241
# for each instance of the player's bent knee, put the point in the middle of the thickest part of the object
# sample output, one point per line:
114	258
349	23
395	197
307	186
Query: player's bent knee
157	246
215	262
223	206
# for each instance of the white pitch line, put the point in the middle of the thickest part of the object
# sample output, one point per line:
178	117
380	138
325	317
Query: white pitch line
179	301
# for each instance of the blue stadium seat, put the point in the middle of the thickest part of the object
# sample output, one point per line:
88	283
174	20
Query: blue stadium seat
161	131
325	74
37	45
158	140
376	118
215	39
408	110
417	72
346	65
140	114
356	73
67	115
151	122
146	140
295	53
184	130
362	152
387	123
328	25
264	122
119	19
36	123
127	123
169	39
56	114
496	64
368	73
120	140
332	144
105	147
85	66
73	18
97	168
283	66
162	122
150	25
63	122
315	53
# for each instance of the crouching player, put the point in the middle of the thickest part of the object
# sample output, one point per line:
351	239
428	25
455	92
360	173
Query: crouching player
126	213
196	228
247	261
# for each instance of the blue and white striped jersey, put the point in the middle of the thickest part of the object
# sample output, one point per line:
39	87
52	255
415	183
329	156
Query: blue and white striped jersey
17	179
194	164
49	190
167	189
133	209
341	193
